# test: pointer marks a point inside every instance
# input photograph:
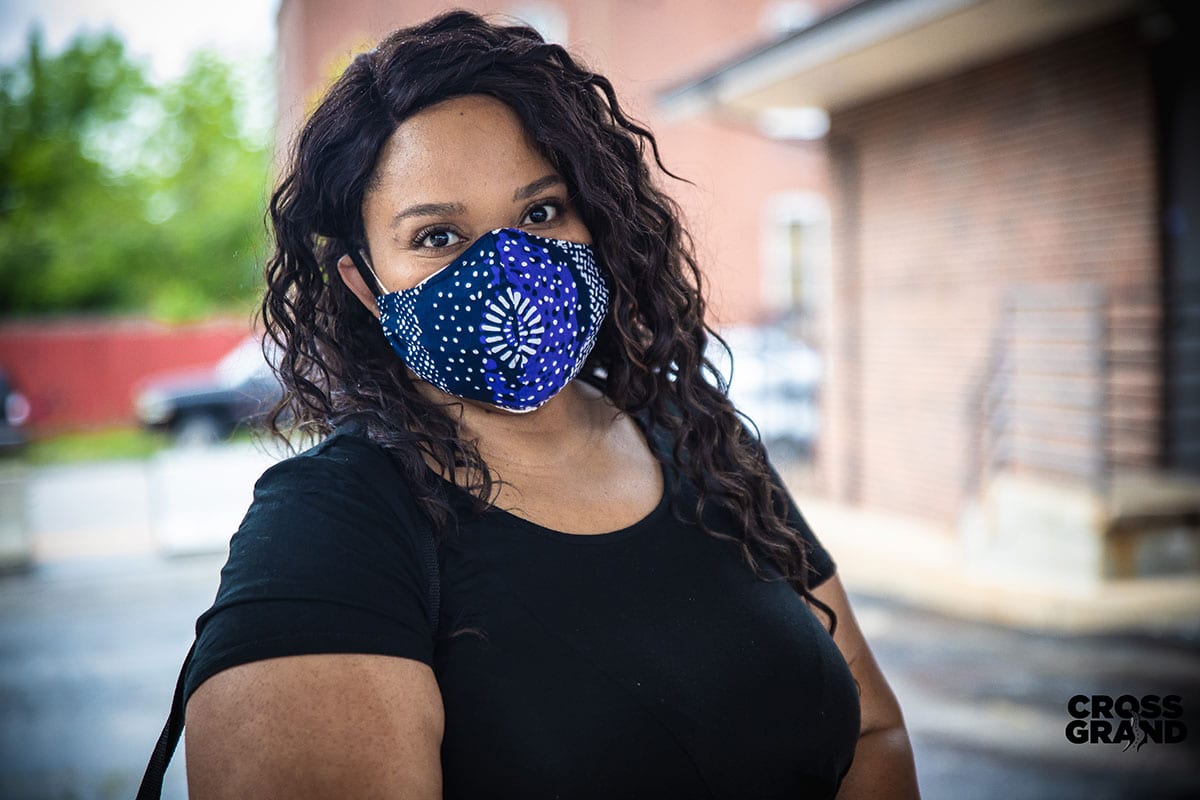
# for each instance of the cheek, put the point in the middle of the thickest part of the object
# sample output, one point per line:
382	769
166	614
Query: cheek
576	231
399	272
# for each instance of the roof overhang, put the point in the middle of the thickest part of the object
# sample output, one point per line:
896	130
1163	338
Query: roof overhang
878	47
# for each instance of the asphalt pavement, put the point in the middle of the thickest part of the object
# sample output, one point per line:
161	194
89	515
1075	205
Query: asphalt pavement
92	636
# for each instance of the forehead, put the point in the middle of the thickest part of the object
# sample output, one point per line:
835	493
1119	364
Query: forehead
456	144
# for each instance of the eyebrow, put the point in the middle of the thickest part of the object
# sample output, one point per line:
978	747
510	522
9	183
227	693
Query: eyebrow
429	210
449	209
545	182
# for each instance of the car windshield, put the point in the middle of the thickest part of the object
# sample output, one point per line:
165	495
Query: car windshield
244	363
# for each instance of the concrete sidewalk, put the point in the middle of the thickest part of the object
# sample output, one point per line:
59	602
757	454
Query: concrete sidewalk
915	562
179	501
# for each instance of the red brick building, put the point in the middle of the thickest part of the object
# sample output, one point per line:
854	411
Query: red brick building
1015	303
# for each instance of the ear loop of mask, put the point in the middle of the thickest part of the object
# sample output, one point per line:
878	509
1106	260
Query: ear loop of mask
365	270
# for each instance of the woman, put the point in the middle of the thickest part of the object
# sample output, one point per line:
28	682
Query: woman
494	320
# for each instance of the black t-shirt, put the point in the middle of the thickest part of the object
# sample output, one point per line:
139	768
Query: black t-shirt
648	662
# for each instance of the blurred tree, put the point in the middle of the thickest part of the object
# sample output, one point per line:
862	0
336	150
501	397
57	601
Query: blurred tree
119	195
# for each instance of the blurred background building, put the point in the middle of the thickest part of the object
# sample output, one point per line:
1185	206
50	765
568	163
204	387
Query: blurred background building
1014	324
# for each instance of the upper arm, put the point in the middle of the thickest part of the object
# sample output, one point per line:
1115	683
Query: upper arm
311	675
879	708
317	726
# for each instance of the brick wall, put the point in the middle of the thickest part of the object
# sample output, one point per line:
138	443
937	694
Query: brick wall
1037	168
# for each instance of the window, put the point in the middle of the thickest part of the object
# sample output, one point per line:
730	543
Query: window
796	253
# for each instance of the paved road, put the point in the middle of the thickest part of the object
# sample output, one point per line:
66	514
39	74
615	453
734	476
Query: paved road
90	650
91	640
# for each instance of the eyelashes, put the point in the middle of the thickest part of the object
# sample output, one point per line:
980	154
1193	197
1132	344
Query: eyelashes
426	233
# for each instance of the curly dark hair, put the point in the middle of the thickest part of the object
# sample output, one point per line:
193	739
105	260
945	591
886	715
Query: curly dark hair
335	364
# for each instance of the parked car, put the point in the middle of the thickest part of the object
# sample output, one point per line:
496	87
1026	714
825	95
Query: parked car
14	413
205	405
774	382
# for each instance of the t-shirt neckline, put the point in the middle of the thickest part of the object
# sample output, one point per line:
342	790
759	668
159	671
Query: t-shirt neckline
620	534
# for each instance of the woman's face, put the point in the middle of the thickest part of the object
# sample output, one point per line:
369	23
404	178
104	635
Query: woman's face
449	174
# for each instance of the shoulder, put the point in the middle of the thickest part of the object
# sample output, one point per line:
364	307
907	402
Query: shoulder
331	556
345	459
342	481
324	510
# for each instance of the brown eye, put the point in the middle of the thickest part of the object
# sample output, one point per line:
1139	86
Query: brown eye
541	214
437	238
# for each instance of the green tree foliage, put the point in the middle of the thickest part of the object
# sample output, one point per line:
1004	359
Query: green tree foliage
118	195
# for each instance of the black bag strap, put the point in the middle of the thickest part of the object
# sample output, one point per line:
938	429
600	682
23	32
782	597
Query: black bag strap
156	768
152	781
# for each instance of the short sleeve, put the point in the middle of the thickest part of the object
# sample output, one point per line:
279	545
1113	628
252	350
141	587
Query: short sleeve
821	565
328	559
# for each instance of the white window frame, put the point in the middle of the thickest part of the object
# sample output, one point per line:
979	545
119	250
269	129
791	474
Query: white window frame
782	211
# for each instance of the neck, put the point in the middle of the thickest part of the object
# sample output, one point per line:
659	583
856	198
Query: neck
543	440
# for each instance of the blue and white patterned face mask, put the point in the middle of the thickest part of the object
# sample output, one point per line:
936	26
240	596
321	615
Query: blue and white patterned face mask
509	322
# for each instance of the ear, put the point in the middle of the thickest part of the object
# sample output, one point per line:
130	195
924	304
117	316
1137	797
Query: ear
354	281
